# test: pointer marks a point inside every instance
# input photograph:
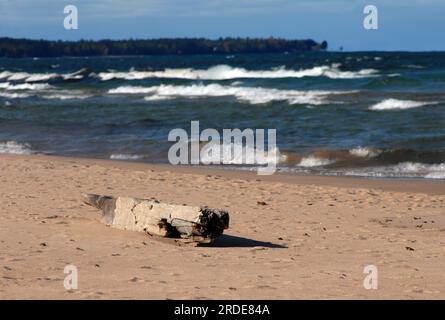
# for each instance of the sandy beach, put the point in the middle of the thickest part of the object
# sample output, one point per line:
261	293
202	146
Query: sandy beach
290	236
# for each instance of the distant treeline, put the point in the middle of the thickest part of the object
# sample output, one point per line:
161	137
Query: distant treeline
17	48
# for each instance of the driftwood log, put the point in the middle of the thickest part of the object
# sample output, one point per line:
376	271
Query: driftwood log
195	224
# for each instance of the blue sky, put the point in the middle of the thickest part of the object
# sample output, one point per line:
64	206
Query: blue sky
414	25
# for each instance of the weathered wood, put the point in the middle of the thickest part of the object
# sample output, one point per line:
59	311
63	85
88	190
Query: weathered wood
192	223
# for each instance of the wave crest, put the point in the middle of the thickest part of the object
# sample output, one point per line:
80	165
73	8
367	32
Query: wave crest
13	147
313	161
365	152
253	95
226	154
403	169
39	77
394	104
225	72
24	86
120	156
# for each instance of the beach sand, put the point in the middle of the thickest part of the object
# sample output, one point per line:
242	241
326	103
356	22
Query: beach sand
290	237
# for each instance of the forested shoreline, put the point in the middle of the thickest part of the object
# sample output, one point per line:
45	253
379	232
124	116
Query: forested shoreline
19	48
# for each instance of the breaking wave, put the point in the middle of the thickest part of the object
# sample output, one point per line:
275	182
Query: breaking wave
133	90
24	86
403	169
367	162
39	77
27	77
216	153
365	152
14	95
313	161
42	90
13	147
120	156
225	72
435	175
253	95
157	97
218	72
394	104
67	95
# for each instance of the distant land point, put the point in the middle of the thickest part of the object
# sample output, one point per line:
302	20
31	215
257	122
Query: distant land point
21	48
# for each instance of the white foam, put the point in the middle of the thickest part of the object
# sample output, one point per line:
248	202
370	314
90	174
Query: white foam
419	167
39	77
120	156
24	86
17	76
5	75
435	175
253	95
312	161
227	155
394	104
157	97
45	87
225	72
73	77
132	90
27	77
13	147
14	95
77	75
364	152
66	96
403	169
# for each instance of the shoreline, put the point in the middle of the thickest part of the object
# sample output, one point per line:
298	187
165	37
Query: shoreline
416	185
289	237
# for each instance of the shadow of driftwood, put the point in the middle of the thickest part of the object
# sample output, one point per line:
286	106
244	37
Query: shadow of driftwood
225	241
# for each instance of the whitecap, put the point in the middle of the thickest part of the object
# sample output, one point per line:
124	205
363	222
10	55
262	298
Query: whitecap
67	95
365	152
246	155
225	72
14	95
394	104
25	86
132	90
13	147
157	97
253	95
403	169
435	175
120	156
37	77
313	161
40	77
